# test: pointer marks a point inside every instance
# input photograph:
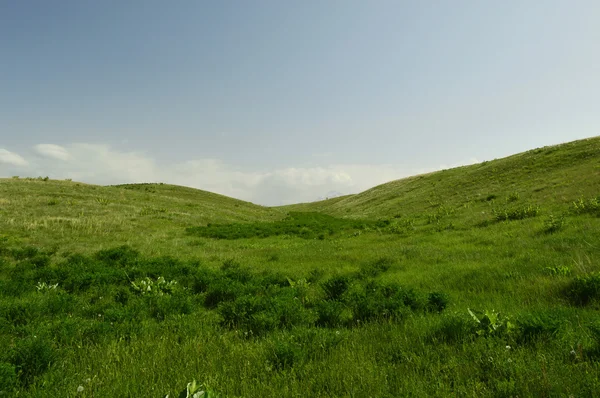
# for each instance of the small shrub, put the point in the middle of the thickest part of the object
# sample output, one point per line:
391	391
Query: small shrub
285	354
32	357
376	301
590	206
375	268
59	302
584	289
512	197
401	227
19	313
222	290
518	213
533	327
553	224
8	379
315	275
234	271
164	305
121	256
25	252
437	301
454	329
335	287
333	314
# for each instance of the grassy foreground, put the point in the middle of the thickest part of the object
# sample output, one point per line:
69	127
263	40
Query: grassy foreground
477	281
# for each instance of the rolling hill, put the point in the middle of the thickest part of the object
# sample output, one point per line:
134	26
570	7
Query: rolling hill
478	281
553	175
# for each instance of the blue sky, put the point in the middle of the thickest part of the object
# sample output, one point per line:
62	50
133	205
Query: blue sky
279	102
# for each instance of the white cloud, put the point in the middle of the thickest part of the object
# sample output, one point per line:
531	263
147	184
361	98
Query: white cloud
101	164
11	158
52	151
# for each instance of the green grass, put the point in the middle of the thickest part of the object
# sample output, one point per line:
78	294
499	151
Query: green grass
476	281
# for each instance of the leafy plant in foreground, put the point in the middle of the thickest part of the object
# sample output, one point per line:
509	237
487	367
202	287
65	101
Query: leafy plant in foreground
196	390
148	286
491	323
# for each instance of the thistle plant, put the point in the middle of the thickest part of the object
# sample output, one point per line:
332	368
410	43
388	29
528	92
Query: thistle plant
44	287
196	390
159	287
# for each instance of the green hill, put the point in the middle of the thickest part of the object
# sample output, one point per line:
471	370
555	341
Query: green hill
478	281
83	217
551	176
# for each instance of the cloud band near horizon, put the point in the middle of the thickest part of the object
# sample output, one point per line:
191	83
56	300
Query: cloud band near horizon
103	165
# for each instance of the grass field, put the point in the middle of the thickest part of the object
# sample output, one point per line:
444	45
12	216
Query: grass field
477	281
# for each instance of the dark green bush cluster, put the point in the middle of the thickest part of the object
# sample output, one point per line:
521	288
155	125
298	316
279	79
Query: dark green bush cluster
517	213
257	304
116	293
303	225
584	289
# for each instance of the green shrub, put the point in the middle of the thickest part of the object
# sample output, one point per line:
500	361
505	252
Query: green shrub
161	306
553	224
285	354
32	357
512	197
518	213
222	290
120	256
375	268
303	225
454	329
8	379
25	252
584	289
276	308
335	287
19	313
315	275
333	314
533	327
590	206
59	302
376	303
231	269
437	301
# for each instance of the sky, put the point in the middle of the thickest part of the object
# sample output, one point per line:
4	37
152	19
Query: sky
280	102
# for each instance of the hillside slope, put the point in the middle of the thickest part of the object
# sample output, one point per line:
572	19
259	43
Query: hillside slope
550	176
82	216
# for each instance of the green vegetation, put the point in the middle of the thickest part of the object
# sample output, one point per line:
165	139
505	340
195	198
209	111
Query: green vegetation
477	281
303	225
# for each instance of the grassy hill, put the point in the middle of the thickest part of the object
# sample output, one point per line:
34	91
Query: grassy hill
478	281
551	176
82	217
